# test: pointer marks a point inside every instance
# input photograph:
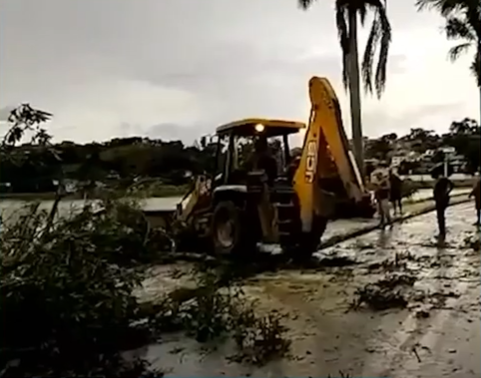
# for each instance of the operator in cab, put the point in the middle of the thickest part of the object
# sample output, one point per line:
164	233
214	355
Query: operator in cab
264	160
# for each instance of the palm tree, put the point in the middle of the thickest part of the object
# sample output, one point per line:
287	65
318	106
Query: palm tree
347	14
463	24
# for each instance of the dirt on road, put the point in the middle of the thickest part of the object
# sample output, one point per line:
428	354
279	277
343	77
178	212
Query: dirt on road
397	303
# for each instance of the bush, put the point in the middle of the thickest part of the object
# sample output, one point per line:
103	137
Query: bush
68	302
67	285
67	289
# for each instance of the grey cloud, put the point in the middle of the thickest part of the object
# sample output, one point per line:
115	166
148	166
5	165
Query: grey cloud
435	117
5	112
232	60
396	64
172	131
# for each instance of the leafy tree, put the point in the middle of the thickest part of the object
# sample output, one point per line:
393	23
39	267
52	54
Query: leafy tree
347	14
423	140
466	126
462	24
465	137
31	167
392	137
379	149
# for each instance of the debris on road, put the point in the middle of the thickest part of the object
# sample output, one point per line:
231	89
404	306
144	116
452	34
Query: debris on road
379	299
472	242
384	294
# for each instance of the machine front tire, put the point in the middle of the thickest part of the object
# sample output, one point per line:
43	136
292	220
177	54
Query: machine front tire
230	231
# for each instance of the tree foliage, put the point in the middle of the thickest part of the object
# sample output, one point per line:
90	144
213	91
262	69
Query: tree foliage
67	285
67	294
463	25
166	161
380	148
465	137
379	40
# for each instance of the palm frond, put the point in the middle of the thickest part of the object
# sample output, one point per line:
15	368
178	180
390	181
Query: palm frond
456	51
476	67
369	52
385	43
362	15
473	18
379	37
375	4
444	7
459	28
341	23
305	4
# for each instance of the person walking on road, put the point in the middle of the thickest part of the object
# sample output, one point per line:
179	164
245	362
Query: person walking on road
395	196
441	191
476	193
380	181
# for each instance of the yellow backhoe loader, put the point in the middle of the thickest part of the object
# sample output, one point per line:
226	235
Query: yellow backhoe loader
243	202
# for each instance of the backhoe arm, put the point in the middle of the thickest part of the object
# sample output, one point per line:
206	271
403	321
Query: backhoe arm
326	157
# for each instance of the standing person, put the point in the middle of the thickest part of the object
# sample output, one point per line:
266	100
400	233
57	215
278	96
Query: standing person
441	191
476	193
380	180
395	183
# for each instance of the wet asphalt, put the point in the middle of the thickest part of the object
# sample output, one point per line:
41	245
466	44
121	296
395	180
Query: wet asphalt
436	334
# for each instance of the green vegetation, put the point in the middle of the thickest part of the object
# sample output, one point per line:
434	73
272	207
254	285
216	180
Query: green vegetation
463	25
67	285
67	288
119	163
348	13
463	136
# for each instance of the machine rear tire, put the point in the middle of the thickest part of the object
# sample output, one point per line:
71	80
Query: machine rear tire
230	231
309	242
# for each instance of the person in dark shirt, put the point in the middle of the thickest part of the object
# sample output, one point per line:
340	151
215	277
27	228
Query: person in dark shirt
395	183
441	191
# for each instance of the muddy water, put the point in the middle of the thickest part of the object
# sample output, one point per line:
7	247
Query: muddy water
9	206
10	209
328	336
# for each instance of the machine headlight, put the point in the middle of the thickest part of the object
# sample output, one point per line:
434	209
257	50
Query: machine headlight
259	127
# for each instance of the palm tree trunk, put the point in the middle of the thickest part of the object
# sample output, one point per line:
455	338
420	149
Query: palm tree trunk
355	92
478	76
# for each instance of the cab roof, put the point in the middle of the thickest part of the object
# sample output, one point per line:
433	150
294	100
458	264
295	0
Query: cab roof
272	127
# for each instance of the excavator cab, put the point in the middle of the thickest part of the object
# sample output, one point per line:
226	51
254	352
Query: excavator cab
251	203
242	144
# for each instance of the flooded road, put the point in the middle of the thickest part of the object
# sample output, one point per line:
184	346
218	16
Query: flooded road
435	334
9	207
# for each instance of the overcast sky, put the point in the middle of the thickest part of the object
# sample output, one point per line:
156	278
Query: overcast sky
178	68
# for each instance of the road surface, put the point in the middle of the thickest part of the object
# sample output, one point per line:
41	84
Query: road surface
437	334
10	209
